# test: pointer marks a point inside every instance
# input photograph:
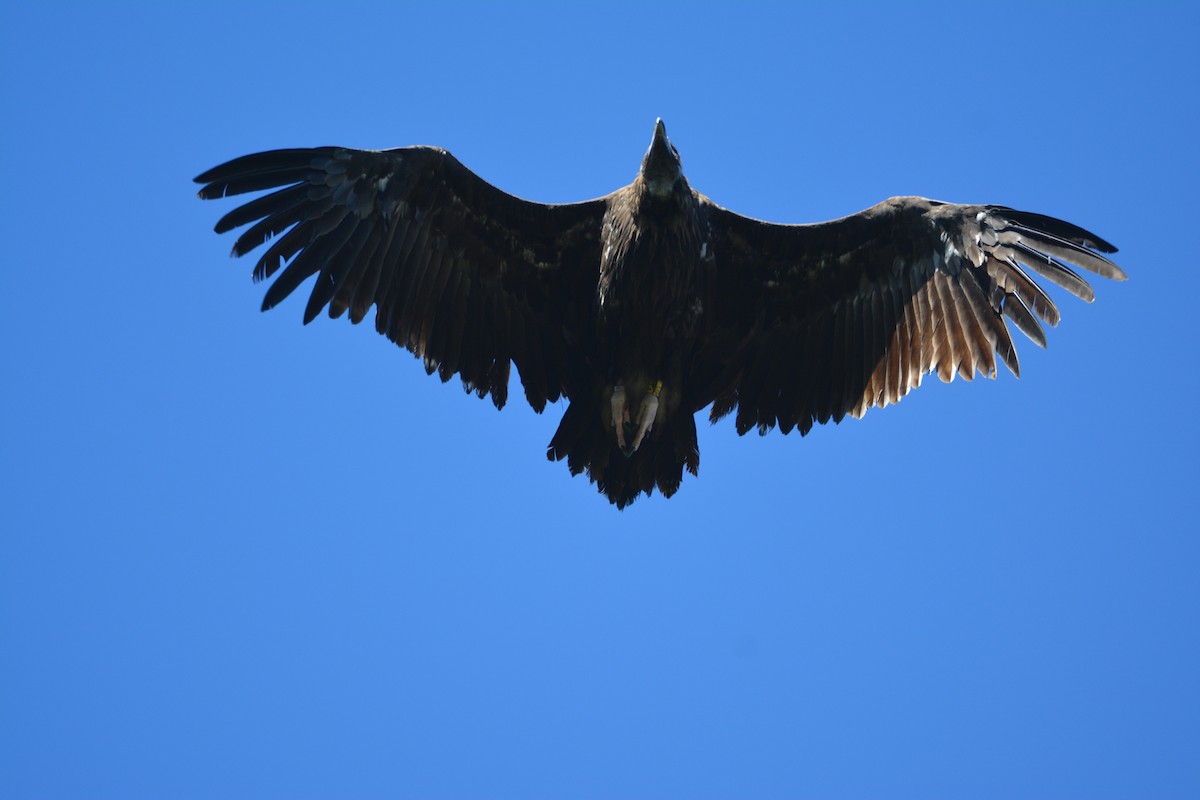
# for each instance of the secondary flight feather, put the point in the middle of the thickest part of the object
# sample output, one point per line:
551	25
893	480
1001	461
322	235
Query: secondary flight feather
648	305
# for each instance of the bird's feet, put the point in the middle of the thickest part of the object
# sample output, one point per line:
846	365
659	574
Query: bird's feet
620	415
647	413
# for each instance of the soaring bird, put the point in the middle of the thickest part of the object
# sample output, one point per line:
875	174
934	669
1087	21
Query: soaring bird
648	305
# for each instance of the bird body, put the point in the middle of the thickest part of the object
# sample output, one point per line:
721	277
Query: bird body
648	305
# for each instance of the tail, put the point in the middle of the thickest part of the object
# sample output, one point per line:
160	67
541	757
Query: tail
588	445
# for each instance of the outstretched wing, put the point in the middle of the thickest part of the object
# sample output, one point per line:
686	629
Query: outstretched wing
814	322
465	276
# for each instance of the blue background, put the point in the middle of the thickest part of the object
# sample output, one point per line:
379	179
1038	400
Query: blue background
243	558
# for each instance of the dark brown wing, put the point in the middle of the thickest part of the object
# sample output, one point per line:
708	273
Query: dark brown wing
463	275
814	322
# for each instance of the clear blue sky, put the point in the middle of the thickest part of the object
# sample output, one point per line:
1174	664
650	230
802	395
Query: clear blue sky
241	558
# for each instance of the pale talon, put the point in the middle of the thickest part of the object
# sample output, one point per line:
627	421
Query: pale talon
646	417
619	414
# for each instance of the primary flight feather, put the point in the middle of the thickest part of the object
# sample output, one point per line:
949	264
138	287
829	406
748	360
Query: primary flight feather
645	306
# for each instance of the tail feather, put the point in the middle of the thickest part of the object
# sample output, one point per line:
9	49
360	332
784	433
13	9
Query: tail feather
588	446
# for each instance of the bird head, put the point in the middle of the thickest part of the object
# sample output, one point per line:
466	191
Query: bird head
661	167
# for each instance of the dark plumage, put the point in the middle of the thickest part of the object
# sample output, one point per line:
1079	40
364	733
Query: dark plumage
652	303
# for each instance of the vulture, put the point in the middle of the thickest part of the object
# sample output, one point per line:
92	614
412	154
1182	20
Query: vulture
648	305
